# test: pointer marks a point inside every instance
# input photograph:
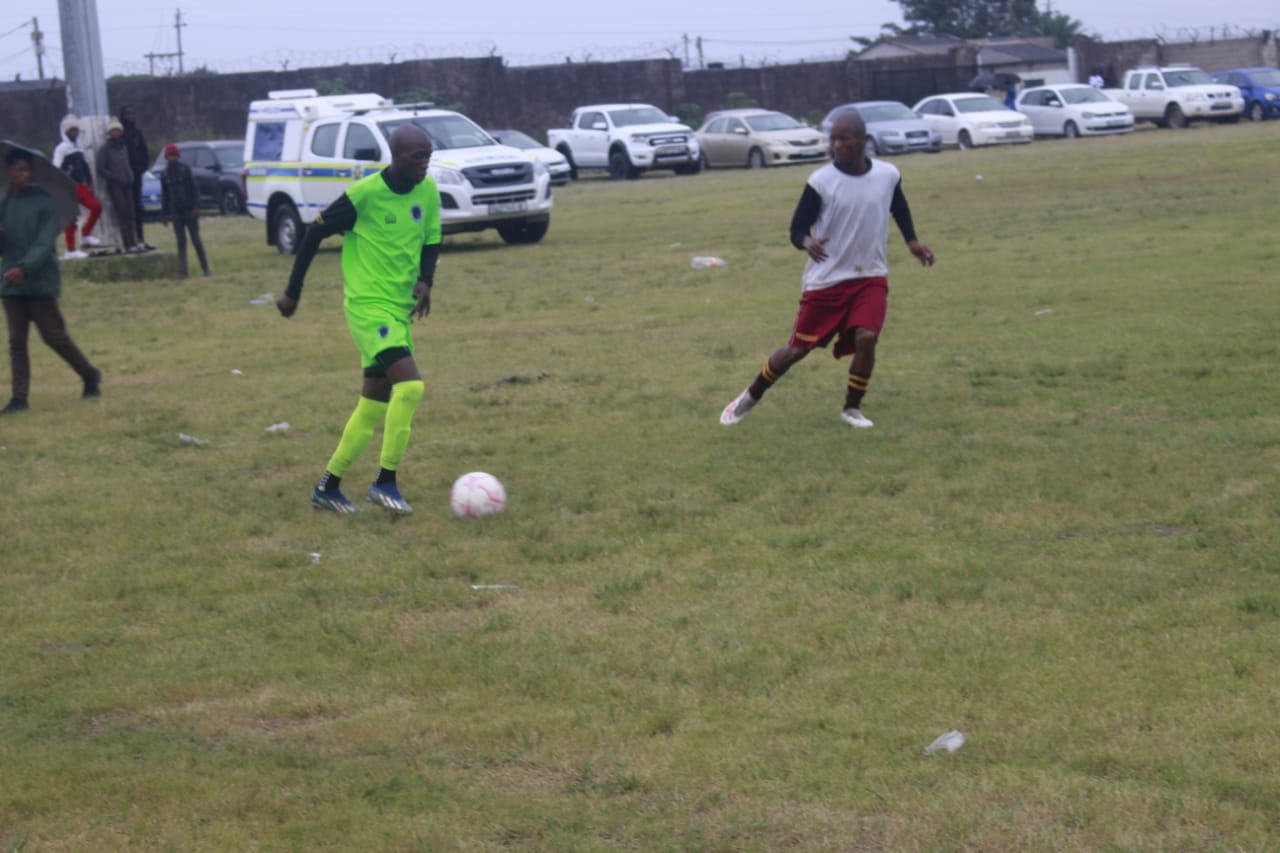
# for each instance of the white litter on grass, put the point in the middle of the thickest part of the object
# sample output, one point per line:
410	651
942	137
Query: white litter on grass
588	298
315	557
979	177
951	741
675	245
235	371
1044	311
703	262
264	299
494	586
191	439
283	426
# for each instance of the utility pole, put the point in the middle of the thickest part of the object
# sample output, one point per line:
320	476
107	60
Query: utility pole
37	39
177	26
686	50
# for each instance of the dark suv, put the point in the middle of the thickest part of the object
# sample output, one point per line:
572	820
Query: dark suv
216	167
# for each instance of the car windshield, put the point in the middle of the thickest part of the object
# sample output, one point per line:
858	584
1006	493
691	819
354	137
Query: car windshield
1186	77
886	112
1083	95
448	131
637	115
515	139
981	104
230	156
1266	78
772	121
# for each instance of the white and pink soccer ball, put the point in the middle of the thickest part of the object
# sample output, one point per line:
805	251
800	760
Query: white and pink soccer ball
477	494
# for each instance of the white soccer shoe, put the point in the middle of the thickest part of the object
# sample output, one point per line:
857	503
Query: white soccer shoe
855	418
90	240
738	409
75	256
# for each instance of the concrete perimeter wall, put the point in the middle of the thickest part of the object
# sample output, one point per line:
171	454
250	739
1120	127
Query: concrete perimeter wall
535	98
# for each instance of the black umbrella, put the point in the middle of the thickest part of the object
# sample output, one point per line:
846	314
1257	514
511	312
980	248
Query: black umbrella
993	80
49	178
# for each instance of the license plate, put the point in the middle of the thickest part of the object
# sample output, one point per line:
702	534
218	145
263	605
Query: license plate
670	150
1220	107
1117	122
508	207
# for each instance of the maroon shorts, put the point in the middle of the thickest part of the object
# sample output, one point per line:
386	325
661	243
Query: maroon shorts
838	310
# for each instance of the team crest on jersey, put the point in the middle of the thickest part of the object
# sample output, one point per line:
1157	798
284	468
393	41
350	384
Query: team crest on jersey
383	331
417	213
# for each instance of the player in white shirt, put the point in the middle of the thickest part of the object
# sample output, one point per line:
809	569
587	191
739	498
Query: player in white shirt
842	223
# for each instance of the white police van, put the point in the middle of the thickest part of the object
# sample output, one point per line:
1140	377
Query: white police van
302	150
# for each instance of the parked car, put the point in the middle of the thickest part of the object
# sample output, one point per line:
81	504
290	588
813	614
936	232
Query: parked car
152	203
557	165
215	165
756	138
1074	109
968	119
1260	88
892	128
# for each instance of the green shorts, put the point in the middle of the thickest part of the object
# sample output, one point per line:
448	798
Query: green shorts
375	328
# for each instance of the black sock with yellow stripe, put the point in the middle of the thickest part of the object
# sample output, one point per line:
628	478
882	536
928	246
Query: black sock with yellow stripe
857	388
764	381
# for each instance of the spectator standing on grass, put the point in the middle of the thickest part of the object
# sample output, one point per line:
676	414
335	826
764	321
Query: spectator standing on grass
391	226
1096	79
842	224
117	174
180	201
139	161
29	280
69	157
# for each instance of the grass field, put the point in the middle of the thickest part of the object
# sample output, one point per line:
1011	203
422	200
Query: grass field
1060	538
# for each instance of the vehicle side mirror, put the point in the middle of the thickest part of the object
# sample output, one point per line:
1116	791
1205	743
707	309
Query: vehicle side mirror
1159	86
741	131
370	154
1055	103
216	167
599	125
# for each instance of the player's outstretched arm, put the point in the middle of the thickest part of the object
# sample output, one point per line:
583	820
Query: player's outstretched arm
336	218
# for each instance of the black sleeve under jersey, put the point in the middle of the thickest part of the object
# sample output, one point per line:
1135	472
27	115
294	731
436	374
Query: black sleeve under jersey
335	219
427	266
807	210
902	213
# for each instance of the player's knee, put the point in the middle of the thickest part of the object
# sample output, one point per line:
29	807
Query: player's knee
409	392
866	338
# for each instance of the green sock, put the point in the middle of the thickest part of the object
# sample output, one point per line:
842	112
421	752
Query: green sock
356	435
405	397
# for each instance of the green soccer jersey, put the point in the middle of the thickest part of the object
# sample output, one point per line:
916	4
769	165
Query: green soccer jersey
382	251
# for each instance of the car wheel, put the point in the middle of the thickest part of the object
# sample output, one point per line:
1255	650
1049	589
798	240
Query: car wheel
620	167
231	202
870	148
568	155
523	232
288	229
1070	131
755	159
964	140
1174	117
1256	113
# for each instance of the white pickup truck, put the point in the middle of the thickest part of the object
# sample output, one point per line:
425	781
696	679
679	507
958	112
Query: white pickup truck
627	140
302	151
1174	95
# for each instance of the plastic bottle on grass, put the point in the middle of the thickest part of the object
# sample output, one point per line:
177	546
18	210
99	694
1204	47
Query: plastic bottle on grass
706	261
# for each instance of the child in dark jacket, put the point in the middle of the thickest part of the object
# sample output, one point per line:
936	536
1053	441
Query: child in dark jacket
180	200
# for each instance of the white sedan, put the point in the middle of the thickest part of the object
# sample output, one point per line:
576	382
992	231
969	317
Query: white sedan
968	119
1073	110
556	164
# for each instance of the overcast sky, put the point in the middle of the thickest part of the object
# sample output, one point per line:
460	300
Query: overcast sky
245	35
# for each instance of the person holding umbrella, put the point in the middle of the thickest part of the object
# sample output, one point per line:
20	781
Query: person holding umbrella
29	280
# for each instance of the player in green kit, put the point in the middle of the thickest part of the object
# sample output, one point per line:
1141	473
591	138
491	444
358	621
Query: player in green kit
391	223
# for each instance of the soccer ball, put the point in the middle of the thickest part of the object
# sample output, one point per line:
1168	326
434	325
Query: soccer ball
477	494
